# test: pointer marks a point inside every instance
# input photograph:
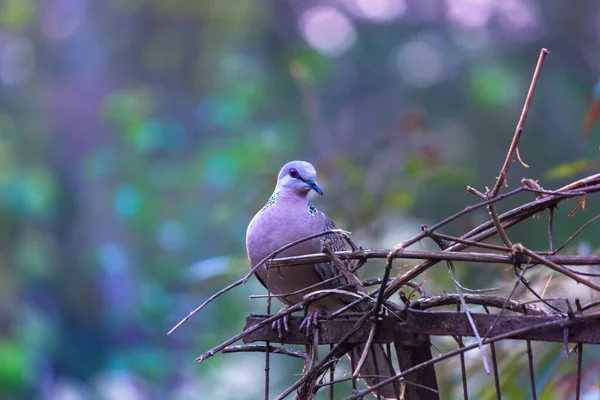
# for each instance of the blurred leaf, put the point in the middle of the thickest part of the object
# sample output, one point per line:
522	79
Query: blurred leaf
31	192
16	13
492	87
593	111
448	175
354	174
403	200
570	169
40	190
309	67
33	254
14	367
128	106
414	165
226	14
591	117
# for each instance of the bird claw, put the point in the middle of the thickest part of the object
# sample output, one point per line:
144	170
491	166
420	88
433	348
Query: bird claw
309	321
279	323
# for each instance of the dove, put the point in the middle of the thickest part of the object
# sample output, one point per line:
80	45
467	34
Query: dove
289	216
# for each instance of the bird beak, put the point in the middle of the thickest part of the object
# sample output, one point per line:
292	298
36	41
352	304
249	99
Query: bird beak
313	185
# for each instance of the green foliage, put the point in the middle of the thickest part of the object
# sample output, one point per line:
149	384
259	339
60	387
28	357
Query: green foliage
14	377
571	169
17	13
493	87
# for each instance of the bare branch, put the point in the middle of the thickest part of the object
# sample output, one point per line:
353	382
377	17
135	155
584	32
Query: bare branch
519	129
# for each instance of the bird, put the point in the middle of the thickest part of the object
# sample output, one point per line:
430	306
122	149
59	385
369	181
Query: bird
287	217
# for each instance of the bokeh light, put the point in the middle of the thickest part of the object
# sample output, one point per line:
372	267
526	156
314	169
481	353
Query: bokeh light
376	10
471	13
17	60
327	30
420	64
62	18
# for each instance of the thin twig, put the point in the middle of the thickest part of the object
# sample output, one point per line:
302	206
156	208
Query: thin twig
496	377
303	290
469	317
398	249
577	232
531	371
540	299
268	353
476	192
546	286
343	268
591	304
463	368
490	301
519	129
471	243
496	220
505	303
551	229
365	352
253	348
331	377
558	268
579	350
501	180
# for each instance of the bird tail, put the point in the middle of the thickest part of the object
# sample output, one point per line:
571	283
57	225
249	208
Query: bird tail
376	368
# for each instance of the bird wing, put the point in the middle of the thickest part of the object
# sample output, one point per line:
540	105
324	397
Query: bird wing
328	270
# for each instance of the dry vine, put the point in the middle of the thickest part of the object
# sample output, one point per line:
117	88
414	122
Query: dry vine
408	325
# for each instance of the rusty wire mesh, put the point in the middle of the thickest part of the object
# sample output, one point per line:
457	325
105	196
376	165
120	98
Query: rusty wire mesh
407	320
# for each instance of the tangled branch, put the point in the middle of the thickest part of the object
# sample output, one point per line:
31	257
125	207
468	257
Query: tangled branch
409	325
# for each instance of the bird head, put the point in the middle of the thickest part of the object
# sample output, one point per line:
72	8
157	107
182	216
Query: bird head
298	177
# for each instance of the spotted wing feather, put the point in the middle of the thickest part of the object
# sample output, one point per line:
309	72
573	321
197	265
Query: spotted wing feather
328	270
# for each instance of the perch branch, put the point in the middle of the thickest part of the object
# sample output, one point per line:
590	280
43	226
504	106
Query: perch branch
252	348
484	258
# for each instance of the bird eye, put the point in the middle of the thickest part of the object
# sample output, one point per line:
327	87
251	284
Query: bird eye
294	173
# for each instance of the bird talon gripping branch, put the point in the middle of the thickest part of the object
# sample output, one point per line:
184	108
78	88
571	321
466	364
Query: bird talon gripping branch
281	324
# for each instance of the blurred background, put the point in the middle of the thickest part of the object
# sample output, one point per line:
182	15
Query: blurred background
139	137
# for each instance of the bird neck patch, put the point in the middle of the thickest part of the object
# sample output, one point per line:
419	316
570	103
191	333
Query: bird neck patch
312	210
272	200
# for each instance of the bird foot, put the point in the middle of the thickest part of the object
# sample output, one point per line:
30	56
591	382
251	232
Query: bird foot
309	321
280	324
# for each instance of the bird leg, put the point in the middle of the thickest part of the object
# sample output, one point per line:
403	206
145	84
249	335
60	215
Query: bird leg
281	323
310	320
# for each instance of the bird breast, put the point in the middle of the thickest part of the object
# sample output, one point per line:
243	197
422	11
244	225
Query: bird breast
278	226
